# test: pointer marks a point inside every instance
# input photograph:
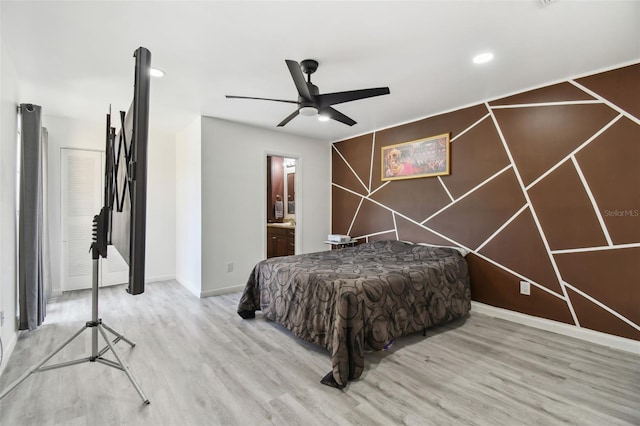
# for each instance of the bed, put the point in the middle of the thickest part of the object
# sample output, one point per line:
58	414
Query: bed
359	298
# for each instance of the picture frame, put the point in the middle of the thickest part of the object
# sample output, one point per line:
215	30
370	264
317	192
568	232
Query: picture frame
416	159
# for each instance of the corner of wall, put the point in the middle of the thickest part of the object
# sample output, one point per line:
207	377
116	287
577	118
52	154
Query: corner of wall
9	97
189	206
234	196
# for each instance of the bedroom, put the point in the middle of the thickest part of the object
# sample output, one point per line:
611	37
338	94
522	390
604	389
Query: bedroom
214	147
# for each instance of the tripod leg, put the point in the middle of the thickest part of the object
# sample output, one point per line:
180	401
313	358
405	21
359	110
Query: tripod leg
116	340
36	367
118	335
125	367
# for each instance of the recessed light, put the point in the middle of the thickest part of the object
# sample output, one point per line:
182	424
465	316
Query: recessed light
323	117
483	58
155	72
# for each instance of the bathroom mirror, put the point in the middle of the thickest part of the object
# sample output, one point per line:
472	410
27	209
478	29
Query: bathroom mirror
290	186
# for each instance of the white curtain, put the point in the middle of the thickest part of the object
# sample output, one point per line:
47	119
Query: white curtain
33	256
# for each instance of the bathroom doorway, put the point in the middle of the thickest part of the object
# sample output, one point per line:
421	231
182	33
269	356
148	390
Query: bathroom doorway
281	206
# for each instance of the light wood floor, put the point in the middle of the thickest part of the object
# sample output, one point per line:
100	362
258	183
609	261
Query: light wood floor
201	364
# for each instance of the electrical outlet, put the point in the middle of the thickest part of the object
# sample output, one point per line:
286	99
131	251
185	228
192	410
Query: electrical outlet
230	267
525	288
1	318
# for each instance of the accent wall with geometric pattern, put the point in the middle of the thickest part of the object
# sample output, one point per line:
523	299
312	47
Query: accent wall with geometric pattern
544	187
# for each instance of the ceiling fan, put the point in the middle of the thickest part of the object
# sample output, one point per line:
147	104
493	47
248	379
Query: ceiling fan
311	102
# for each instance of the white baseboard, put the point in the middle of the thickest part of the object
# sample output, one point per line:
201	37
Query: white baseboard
592	336
221	291
8	348
195	290
159	278
147	280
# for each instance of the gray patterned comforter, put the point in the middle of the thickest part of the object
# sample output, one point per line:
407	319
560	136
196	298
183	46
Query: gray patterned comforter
350	299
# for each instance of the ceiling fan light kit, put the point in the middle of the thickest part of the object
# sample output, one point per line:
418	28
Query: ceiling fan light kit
308	111
310	102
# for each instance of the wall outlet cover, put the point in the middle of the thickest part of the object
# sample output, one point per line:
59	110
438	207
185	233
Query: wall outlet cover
525	288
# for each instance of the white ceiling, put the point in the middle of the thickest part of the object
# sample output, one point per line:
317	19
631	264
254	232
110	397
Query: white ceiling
75	58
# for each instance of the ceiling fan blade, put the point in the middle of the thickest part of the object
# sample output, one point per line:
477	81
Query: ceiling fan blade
260	99
288	119
352	95
334	114
298	79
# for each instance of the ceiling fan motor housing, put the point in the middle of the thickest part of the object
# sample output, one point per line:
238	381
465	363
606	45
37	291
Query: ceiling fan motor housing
309	66
308	107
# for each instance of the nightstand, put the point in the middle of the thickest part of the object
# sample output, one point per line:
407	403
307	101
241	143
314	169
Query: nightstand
333	245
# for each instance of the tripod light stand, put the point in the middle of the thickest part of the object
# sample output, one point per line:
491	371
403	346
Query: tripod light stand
98	249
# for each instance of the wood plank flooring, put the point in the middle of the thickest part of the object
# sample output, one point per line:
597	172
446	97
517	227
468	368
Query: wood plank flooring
200	364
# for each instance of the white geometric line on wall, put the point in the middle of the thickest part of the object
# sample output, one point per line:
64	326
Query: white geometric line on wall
452	241
373	148
596	248
594	204
445	188
469	192
536	284
350	168
544	104
421	225
395	225
535	218
603	306
606	101
373	234
504	225
519	275
379	188
401	215
575	151
353	219
469	128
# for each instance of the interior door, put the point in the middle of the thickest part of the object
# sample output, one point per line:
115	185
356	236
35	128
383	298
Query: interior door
82	192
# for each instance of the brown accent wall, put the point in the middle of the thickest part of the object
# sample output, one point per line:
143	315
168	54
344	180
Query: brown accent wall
544	187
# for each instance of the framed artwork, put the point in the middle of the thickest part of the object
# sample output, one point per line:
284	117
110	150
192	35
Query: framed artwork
416	159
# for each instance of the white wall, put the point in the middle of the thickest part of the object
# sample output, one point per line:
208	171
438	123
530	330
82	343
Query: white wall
64	133
161	207
8	118
188	243
160	238
234	198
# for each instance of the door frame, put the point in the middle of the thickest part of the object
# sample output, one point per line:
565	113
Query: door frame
114	278
299	197
64	153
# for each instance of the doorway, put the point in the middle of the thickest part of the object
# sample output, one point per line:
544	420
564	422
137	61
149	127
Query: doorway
281	206
82	191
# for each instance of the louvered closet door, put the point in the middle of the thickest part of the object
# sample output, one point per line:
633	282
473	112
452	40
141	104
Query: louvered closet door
82	192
